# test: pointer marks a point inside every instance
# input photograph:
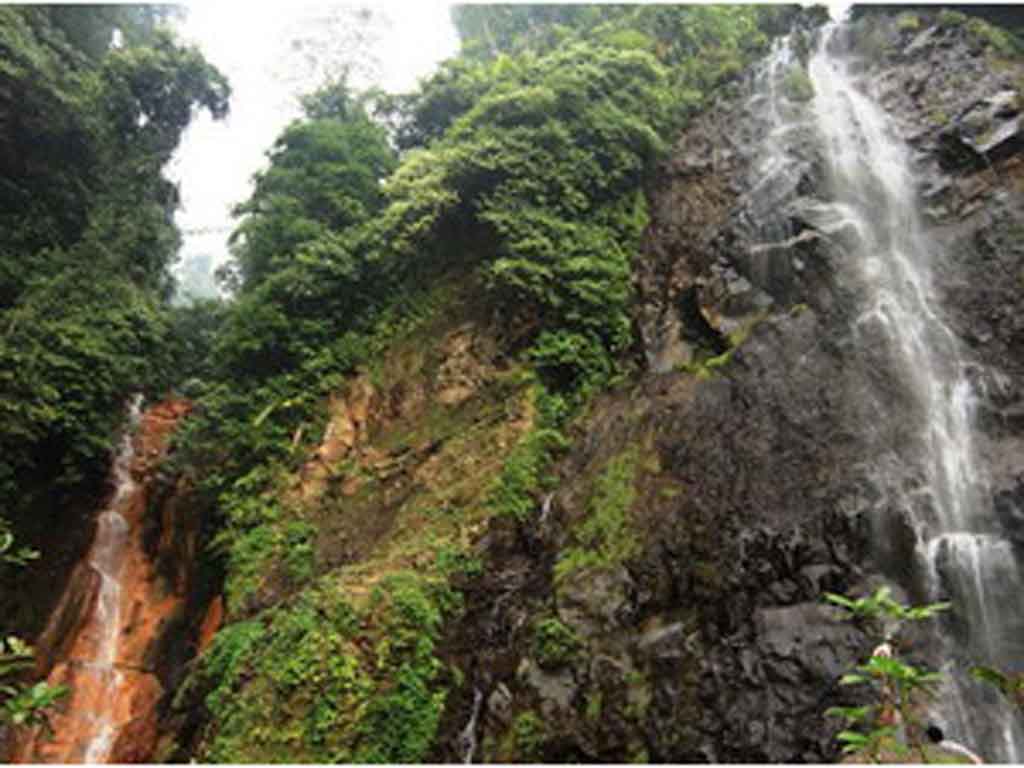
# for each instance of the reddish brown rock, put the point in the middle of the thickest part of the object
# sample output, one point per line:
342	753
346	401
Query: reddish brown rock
121	699
211	623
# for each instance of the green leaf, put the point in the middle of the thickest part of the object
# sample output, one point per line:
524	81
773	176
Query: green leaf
839	600
853	714
852	737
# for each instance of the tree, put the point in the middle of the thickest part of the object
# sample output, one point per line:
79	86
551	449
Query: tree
324	178
86	236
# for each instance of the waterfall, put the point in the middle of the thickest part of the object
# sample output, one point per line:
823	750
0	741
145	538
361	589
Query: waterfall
112	618
931	475
467	737
107	559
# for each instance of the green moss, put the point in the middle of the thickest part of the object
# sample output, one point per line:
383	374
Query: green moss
595	703
323	681
554	643
797	86
908	22
605	538
528	735
938	117
989	36
705	366
948	18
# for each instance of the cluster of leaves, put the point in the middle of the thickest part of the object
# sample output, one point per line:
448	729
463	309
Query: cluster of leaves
355	684
897	686
21	703
554	643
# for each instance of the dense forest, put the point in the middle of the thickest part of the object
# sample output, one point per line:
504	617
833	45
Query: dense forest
435	329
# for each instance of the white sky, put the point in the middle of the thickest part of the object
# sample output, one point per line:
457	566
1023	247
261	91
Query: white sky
253	45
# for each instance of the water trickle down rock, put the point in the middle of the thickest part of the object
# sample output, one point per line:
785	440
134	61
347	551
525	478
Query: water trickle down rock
110	712
932	477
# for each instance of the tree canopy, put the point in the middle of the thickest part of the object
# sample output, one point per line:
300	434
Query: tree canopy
87	235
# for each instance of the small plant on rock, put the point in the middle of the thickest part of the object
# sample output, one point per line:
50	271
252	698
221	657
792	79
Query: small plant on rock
554	644
1009	684
797	85
874	730
20	703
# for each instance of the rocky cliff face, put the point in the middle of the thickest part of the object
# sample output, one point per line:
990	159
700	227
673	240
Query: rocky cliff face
154	616
754	491
664	600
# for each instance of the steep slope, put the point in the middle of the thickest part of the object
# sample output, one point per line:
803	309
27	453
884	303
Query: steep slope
755	488
414	585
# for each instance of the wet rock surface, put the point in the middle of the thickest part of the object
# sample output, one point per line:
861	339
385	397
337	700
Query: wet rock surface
760	490
122	693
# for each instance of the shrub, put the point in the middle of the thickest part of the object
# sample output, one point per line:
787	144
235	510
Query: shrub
605	538
797	86
554	644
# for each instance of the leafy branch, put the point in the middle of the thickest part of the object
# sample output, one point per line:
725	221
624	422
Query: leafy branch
897	686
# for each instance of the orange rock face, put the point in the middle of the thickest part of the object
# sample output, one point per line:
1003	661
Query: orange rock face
211	623
109	714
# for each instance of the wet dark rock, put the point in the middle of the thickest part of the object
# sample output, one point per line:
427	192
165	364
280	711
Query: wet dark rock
775	477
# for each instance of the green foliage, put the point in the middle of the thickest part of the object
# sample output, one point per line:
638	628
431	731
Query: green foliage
605	538
74	349
528	734
950	18
908	22
548	161
324	177
225	661
880	605
21	703
296	687
86	235
521	477
702	46
797	85
897	686
1010	685
9	555
554	643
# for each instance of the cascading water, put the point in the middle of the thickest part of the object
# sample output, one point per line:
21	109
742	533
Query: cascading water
931	477
107	559
110	621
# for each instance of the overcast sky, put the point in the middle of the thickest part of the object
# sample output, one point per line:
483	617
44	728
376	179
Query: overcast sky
272	52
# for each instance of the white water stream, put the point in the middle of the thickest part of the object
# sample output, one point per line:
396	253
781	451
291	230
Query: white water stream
943	487
107	559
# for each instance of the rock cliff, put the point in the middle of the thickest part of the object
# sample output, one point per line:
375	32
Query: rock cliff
663	601
754	488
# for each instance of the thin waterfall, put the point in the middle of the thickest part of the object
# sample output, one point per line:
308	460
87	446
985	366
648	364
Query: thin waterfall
107	559
932	477
467	737
87	723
